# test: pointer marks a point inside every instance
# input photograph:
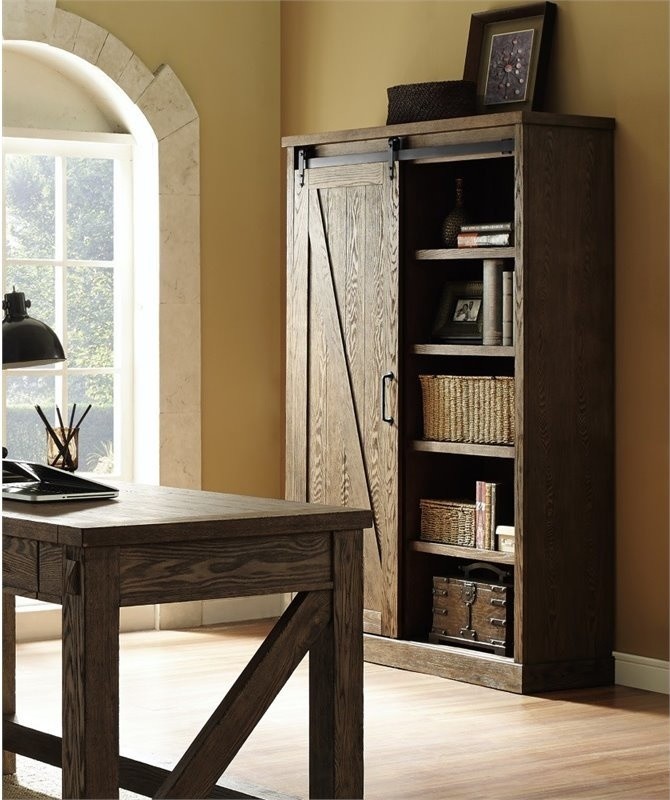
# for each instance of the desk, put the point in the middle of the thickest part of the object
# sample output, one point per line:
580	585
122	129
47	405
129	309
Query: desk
161	545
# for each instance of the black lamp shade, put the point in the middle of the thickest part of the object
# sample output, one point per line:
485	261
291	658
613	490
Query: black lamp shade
26	342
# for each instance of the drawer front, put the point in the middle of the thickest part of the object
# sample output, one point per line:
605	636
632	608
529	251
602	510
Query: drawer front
19	565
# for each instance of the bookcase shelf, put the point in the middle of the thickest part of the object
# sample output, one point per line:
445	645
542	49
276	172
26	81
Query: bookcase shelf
471	553
497	351
461	253
367	284
464	448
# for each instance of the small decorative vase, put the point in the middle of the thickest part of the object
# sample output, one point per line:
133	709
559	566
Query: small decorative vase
455	218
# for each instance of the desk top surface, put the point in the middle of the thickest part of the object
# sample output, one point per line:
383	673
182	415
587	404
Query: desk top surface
152	514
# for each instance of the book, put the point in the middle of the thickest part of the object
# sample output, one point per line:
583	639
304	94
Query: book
493	514
492	301
490	516
480	522
484	227
486	513
475	239
507	307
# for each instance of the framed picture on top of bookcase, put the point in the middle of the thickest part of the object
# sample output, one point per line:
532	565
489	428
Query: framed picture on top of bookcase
508	56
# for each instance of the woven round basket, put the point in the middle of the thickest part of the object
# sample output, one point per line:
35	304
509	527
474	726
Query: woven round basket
418	102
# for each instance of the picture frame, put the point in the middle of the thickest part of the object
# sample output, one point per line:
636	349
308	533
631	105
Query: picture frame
507	57
460	313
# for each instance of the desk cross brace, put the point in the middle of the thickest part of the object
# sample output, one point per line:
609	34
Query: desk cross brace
228	728
222	736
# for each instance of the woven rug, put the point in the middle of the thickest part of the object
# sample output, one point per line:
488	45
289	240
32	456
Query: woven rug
37	781
12	790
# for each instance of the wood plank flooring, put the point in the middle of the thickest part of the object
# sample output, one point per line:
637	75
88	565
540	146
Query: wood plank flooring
425	737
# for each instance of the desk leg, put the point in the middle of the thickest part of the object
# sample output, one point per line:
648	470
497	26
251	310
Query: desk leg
336	681
91	673
8	671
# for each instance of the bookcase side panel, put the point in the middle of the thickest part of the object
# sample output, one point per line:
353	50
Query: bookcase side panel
296	341
567	459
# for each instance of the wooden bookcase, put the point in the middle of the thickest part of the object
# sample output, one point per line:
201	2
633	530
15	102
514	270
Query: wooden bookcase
365	271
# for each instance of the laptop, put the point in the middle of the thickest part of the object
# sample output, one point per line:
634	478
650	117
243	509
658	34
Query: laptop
37	483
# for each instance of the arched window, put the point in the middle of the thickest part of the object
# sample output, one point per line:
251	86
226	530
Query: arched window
80	200
91	81
79	78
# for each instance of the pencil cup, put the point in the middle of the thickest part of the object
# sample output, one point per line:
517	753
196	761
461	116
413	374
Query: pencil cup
69	459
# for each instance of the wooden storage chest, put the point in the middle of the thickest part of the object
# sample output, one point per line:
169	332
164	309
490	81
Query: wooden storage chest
471	613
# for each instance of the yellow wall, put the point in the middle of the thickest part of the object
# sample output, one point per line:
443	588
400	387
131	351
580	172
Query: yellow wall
337	59
226	54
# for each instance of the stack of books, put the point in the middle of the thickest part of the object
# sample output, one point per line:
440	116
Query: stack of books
498	303
485	515
486	234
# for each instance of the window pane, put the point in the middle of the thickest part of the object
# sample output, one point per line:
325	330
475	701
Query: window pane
90	317
90	209
29	195
96	436
38	285
25	436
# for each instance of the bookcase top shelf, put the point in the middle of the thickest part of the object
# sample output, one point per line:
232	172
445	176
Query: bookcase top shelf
461	253
477	125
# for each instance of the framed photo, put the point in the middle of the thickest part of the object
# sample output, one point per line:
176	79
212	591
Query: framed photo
508	56
460	313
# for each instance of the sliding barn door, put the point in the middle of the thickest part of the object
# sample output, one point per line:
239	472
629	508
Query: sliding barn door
342	336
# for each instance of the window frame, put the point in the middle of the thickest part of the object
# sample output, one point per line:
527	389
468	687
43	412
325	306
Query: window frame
120	149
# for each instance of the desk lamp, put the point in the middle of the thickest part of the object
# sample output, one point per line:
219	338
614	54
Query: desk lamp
26	342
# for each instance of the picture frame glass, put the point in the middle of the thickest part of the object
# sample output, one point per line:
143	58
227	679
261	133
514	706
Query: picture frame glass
460	314
508	70
508	65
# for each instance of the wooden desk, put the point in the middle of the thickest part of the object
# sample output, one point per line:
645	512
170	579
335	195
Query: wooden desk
160	545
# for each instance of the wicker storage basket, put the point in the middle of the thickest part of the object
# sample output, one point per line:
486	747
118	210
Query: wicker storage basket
418	102
468	409
448	522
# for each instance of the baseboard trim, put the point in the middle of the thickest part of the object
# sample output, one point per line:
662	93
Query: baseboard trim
640	672
37	624
41	622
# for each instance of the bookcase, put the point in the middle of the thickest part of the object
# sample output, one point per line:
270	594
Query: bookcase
366	278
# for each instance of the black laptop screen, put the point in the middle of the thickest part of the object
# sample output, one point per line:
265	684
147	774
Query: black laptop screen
13	472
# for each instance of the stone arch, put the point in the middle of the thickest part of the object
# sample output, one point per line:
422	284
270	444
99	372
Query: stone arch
167	107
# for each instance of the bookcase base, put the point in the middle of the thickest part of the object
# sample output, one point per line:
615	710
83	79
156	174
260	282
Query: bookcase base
487	669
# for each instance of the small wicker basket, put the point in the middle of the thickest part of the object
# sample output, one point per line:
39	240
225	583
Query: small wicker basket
418	102
448	522
468	409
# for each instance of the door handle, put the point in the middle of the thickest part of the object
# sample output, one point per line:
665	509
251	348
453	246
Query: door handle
386	379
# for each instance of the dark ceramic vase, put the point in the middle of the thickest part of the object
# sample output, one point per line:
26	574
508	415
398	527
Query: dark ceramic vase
455	218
